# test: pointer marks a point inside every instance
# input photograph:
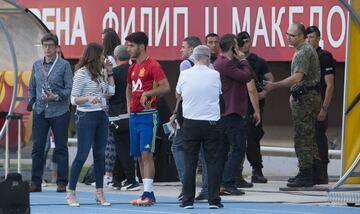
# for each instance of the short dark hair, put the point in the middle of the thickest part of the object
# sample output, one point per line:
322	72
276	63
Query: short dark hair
301	28
139	38
50	37
241	36
211	35
312	29
227	42
192	41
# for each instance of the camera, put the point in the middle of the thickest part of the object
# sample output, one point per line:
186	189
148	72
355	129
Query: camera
259	85
46	88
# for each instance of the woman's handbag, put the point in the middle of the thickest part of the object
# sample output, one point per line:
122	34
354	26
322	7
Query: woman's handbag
119	124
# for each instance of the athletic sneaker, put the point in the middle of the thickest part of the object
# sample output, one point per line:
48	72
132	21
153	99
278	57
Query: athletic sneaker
147	199
115	185
216	206
132	186
190	206
107	180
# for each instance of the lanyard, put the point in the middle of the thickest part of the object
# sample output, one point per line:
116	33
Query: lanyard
46	75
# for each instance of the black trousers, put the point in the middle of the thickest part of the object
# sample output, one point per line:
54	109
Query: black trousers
254	135
322	140
124	166
195	134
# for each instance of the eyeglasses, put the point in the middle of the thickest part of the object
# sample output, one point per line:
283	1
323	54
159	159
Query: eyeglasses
48	45
292	35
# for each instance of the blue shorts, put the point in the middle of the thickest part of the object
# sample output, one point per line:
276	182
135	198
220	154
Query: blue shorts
143	127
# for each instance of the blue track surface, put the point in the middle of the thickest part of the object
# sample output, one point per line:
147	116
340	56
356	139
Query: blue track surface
54	203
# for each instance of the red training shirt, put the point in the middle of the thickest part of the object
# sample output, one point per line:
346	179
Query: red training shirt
144	77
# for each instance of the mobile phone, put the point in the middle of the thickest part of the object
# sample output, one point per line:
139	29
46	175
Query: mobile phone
234	51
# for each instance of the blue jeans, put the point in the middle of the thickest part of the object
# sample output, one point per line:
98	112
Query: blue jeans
178	154
232	148
92	131
40	128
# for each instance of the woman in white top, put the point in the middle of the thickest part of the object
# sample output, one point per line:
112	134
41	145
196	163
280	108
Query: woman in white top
91	87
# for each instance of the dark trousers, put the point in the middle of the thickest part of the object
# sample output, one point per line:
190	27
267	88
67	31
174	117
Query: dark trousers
124	167
322	140
254	135
195	134
232	149
40	128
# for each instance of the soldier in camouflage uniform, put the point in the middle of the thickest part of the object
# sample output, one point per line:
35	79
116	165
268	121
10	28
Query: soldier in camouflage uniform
305	102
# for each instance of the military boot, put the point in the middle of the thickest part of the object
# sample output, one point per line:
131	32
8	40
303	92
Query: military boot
304	179
320	173
292	179
257	176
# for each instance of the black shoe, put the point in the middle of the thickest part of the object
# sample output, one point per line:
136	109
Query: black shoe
216	206
242	183
134	186
35	188
201	197
301	182
258	179
61	187
303	179
116	185
257	176
189	206
231	191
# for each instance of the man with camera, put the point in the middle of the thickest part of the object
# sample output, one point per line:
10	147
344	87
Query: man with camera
305	102
49	91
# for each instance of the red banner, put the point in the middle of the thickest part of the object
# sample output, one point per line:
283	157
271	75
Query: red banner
168	22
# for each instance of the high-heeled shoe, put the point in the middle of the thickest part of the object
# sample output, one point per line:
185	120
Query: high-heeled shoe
71	199
100	199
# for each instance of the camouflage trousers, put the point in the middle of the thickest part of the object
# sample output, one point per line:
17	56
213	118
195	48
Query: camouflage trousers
304	112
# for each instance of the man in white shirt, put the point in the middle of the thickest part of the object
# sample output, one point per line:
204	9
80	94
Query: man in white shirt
201	112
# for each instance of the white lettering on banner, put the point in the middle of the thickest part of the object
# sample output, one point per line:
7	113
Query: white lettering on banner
207	20
111	20
236	27
58	25
48	12
180	11
136	85
333	10
146	11
260	20
160	30
78	28
275	27
63	25
319	24
294	10
130	23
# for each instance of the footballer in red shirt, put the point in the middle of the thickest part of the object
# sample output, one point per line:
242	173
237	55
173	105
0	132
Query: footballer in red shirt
146	82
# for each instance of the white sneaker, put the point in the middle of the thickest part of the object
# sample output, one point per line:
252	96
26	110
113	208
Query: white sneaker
44	184
107	180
